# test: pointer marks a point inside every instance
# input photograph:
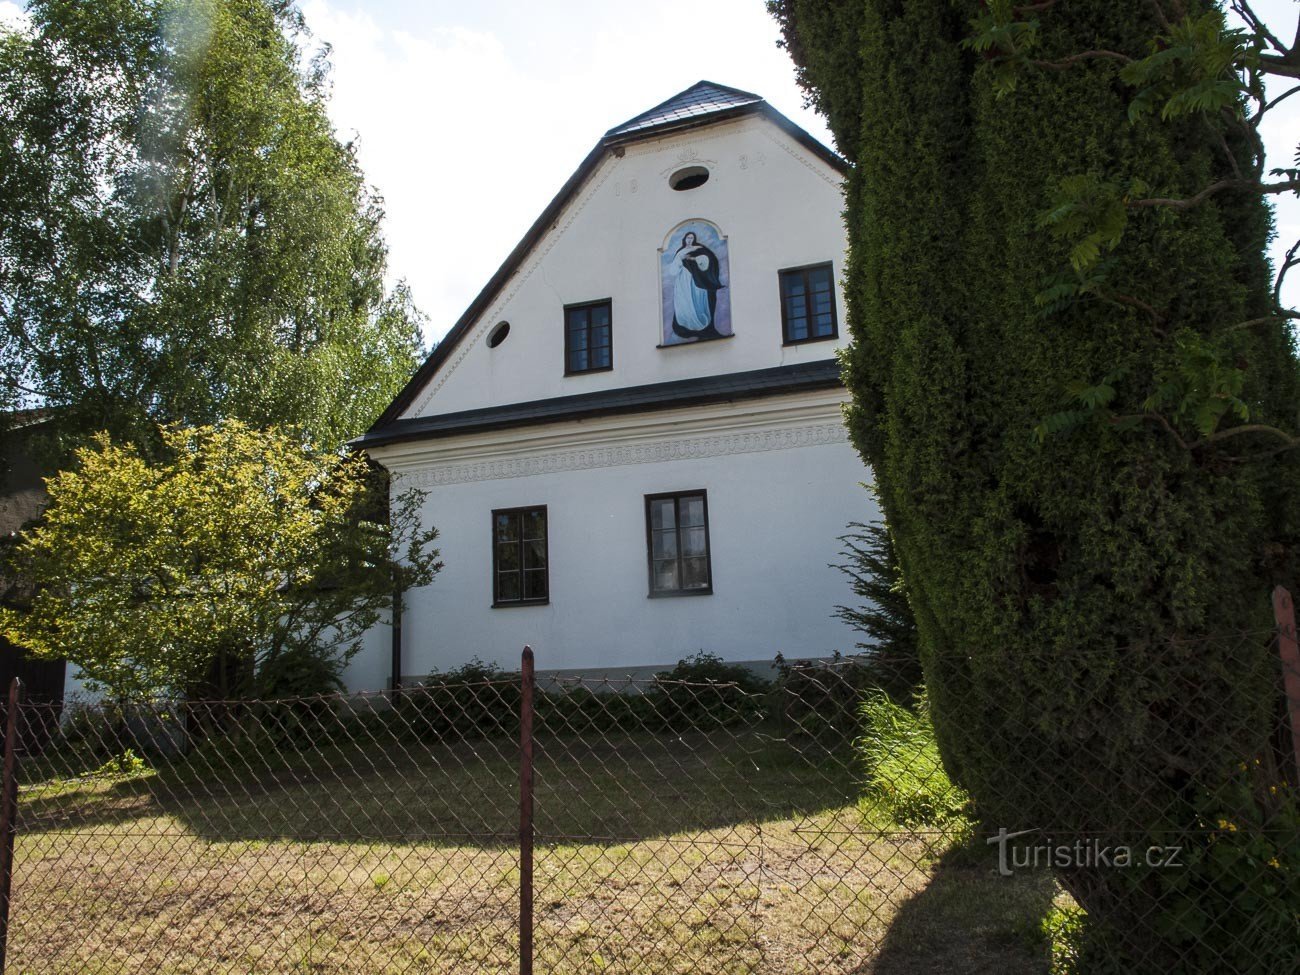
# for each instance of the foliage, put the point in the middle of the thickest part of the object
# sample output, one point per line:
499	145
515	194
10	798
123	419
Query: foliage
904	772
1085	597
473	700
884	616
127	765
1244	857
823	698
182	237
704	691
238	558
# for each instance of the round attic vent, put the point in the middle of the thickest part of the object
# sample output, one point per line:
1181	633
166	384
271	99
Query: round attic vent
498	334
689	178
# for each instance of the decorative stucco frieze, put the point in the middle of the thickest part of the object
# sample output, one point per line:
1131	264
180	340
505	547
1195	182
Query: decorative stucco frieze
435	473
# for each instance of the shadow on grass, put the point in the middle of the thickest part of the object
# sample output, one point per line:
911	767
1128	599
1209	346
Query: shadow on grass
970	921
605	788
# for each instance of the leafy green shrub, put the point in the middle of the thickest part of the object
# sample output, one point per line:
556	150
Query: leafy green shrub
824	698
703	691
300	671
127	765
473	700
904	771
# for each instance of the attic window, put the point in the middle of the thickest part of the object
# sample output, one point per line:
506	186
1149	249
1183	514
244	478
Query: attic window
498	334
689	178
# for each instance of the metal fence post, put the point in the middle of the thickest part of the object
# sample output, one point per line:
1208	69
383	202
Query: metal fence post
528	682
1284	614
9	811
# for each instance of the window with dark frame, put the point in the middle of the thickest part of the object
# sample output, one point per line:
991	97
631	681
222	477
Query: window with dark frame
588	337
808	304
519	558
677	539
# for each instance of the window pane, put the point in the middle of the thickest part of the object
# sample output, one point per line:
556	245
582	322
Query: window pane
534	524
693	542
820	278
577	362
507	587
600	357
792	284
666	576
535	584
578	339
600	316
507	556
695	573
576	319
507	527
665	545
535	555
692	510
661	514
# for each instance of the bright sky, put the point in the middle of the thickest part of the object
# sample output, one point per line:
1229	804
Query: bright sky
470	116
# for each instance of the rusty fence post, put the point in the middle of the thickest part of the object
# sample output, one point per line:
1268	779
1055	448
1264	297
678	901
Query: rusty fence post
528	683
9	811
1287	648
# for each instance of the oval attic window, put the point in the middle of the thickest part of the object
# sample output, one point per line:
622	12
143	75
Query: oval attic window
689	178
498	334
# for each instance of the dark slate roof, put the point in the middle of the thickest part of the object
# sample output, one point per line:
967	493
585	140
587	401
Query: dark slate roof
701	99
820	374
729	103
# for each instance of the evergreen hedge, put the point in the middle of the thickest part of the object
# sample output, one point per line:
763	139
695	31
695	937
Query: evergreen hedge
1090	606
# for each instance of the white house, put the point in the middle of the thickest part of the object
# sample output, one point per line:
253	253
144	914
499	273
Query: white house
632	440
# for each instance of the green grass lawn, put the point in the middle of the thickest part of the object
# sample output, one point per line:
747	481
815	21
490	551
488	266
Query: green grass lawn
725	853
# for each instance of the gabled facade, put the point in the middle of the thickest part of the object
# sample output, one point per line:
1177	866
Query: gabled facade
632	440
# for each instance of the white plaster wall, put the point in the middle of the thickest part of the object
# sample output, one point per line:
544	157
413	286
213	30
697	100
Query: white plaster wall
371	668
778	205
774	518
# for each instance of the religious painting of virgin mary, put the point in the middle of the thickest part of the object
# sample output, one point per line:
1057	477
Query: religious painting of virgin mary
696	303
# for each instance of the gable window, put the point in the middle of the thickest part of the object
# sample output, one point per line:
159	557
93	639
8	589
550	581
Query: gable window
677	537
808	304
588	338
519	563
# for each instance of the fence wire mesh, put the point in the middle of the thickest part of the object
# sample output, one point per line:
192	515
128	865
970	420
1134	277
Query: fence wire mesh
806	825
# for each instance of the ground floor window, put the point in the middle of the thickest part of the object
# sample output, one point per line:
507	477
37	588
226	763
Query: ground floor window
519	563
677	534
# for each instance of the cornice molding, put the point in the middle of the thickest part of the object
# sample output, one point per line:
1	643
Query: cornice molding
755	440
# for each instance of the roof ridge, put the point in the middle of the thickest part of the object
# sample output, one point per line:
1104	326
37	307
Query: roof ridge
687	104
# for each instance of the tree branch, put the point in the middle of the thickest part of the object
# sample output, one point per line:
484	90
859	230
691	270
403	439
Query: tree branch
1291	260
1284	314
1285	186
1161	16
1256	24
1073	59
1155	418
1247	428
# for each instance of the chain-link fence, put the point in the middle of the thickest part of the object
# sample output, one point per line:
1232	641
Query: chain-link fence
670	825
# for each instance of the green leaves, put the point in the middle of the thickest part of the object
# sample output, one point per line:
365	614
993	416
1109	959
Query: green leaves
1091	214
242	547
182	238
1199	66
1199	388
1086	402
1005	36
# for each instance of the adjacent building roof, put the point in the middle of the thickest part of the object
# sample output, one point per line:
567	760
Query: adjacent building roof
757	383
704	103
